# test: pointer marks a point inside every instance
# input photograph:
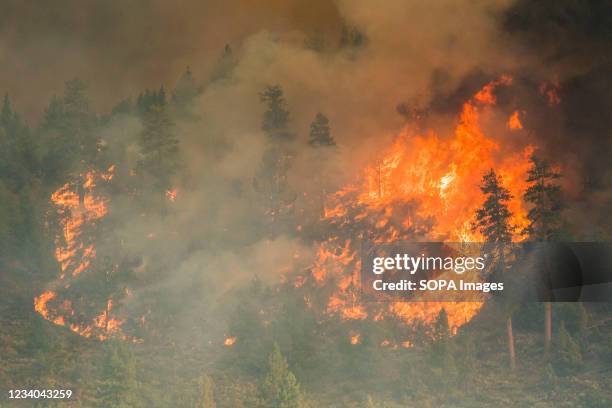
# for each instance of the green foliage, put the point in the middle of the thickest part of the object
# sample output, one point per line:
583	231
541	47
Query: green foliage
568	357
117	387
151	99
466	361
185	91
298	332
280	388
245	323
35	352
68	131
549	378
239	395
320	133
276	116
272	174
595	397
441	328
545	197
271	177
606	349
443	366
573	315
8	206
159	148
19	155
370	402
493	218
206	397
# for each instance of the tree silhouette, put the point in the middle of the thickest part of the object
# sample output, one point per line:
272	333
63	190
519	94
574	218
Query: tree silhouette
493	222
544	194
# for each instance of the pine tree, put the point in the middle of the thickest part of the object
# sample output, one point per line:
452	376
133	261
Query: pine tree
320	140
117	386
493	218
148	100
544	220
271	177
206	398
185	91
544	194
441	353
276	116
320	132
75	97
224	66
280	388
441	328
159	148
493	222
68	127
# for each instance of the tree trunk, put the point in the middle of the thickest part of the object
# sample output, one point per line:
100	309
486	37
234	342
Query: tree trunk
547	326
511	351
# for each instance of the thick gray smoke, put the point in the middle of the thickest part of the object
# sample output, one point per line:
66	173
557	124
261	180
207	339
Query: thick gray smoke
410	55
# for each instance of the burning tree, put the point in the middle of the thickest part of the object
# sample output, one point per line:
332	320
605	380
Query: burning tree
423	187
84	295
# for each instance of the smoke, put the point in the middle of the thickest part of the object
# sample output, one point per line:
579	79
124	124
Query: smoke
121	48
411	55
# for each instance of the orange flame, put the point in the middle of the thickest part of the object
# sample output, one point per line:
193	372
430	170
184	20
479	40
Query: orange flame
79	207
550	89
441	178
486	95
230	341
171	195
514	121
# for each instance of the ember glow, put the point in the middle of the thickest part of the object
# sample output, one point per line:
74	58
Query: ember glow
423	187
550	89
514	122
79	207
230	341
171	195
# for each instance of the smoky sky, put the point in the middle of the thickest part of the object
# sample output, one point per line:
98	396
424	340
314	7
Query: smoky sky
432	55
429	55
120	48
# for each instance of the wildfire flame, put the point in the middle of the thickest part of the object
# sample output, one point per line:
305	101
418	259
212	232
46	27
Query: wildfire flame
424	186
171	195
230	341
550	89
514	122
79	207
